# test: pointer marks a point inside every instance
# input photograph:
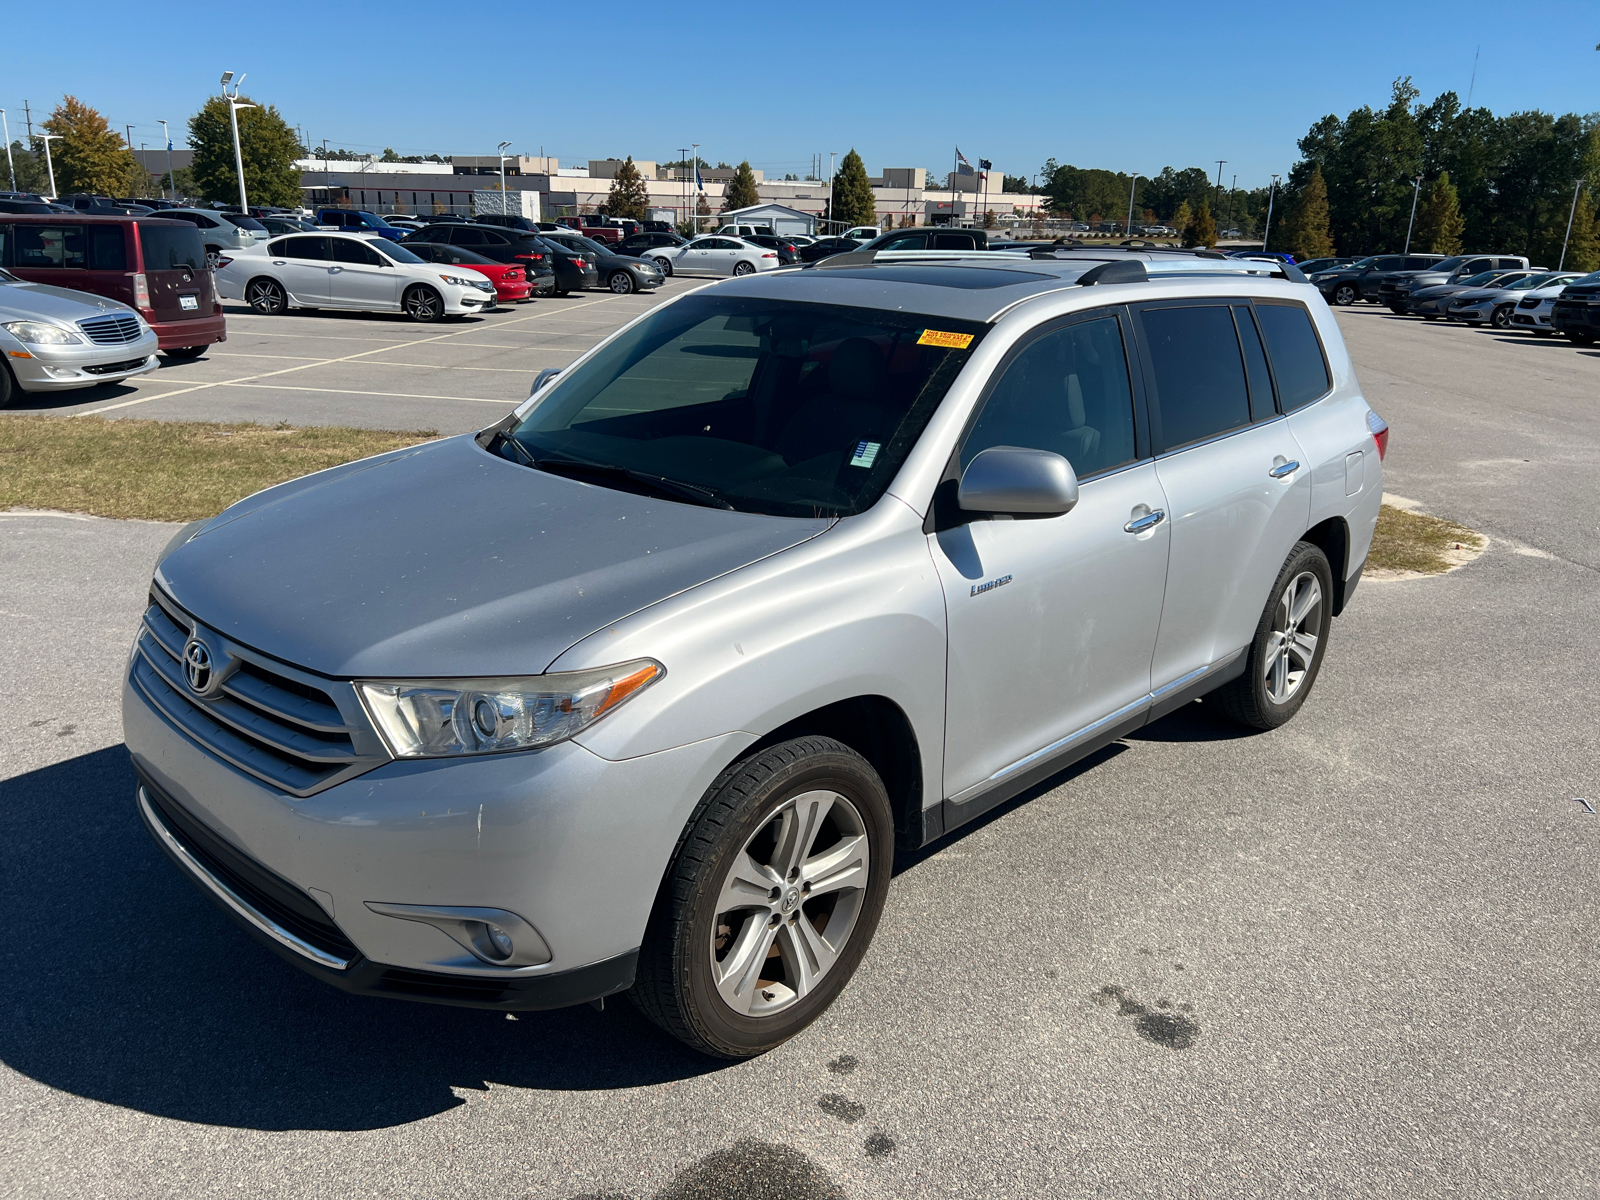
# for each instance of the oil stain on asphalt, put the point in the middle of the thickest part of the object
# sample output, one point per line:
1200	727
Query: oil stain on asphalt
843	1107
748	1170
1160	1025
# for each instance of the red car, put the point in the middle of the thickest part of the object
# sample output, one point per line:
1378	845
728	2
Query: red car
510	280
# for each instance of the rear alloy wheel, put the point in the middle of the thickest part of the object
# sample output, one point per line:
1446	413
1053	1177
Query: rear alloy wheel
621	282
1501	317
184	353
1346	294
774	894
743	268
266	297
423	304
666	266
213	253
1291	639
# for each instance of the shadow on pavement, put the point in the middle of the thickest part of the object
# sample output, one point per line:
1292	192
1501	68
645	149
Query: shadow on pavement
1194	722
124	985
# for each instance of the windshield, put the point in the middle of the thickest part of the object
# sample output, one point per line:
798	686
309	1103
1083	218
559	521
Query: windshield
1481	278
1446	265
375	222
765	406
244	222
1532	281
397	252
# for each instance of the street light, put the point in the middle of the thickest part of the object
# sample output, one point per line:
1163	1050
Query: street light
503	146
172	182
1132	183
1271	194
1576	189
1416	191
10	166
831	155
47	138
234	105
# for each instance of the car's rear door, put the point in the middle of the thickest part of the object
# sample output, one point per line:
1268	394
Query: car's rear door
302	265
359	278
174	263
1234	476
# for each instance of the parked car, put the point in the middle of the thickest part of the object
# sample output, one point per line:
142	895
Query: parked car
597	228
513	221
1395	287
219	231
575	270
506	245
278	226
349	220
926	238
642	685
742	231
714	255
404	221
155	266
618	272
25	206
825	247
1496	303
1313	266
511	280
1280	255
1433	302
788	252
350	271
53	339
863	233
648	240
1535	311
1361	279
1576	312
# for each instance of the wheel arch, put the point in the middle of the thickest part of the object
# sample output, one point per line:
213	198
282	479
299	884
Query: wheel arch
1332	537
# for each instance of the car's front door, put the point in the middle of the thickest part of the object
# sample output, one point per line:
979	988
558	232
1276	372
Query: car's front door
1052	620
1236	479
360	278
301	264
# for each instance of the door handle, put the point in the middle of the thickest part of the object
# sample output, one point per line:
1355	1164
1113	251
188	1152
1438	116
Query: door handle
1148	521
1284	470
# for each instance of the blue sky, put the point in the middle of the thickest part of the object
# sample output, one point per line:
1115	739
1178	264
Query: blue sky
1128	87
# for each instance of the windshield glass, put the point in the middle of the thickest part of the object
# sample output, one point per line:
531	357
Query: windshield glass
244	222
767	406
1446	265
373	221
1532	281
397	252
1478	280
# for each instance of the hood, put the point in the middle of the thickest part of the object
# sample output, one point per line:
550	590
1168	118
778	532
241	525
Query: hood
26	301
1436	289
446	560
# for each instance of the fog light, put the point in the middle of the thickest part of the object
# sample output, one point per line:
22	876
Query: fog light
500	940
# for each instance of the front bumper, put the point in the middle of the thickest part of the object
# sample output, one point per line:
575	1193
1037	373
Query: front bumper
573	843
467	300
1532	319
202	331
61	368
509	292
1583	317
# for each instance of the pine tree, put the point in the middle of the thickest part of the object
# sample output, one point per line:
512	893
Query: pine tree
88	157
1439	220
1201	230
701	210
29	168
629	196
741	189
1182	217
1305	227
988	219
1583	250
267	144
853	202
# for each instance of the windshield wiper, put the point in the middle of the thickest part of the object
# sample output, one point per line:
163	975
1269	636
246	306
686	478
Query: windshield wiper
660	485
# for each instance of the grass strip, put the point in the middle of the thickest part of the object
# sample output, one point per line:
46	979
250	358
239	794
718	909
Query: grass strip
167	470
1408	541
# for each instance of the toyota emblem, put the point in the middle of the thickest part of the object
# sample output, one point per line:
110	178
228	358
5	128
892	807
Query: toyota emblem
197	666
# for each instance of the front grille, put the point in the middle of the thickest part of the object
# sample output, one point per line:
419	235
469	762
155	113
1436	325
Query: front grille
271	895
133	364
1530	302
117	329
279	724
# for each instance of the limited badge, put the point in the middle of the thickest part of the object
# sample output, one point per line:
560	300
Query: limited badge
950	341
866	453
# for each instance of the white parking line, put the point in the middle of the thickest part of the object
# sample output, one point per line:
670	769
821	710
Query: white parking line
286	387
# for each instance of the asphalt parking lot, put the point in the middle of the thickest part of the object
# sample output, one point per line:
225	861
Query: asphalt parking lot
1354	956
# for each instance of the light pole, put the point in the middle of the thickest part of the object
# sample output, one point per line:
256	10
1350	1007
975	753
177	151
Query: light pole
171	181
49	166
502	151
1416	190
694	173
1216	199
683	154
234	105
1578	187
1132	183
1271	194
831	155
10	166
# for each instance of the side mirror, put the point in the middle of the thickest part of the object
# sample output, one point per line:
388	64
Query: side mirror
542	378
1010	479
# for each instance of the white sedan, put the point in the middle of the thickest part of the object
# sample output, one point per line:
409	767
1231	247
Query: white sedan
715	254
351	271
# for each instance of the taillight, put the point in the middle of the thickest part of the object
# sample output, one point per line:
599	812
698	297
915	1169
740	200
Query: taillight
769	254
1380	432
141	293
222	261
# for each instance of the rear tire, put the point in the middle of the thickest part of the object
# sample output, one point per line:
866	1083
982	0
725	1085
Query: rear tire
423	304
212	254
733	968
1291	639
743	268
266	297
185	353
621	282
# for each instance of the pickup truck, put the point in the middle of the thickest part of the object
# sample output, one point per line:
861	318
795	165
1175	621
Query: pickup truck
597	228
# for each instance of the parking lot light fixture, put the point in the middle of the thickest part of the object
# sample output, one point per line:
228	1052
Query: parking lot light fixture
49	166
166	136
1132	183
503	146
1416	190
234	105
10	166
1271	195
1578	187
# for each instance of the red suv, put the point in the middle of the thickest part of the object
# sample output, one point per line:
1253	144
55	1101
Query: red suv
158	267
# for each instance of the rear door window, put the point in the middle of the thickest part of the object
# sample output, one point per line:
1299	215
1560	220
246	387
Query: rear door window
347	251
314	249
107	248
51	247
954	241
1297	360
1199	373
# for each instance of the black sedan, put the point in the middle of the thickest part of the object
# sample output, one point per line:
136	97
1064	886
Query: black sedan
636	244
512	245
788	251
619	272
575	269
824	247
539	273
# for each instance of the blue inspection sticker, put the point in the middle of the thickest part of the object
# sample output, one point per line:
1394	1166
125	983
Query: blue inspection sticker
865	453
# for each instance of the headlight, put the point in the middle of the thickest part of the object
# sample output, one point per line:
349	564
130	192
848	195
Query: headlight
483	285
439	718
37	333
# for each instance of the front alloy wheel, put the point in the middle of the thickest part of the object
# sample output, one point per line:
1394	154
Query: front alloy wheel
423	304
1291	638
1346	294
1501	318
621	282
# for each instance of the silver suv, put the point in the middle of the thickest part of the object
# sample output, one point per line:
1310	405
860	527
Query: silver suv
640	688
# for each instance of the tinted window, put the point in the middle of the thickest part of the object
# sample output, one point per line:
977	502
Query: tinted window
50	246
399	253
1200	384
1390	262
1423	264
906	241
466	235
346	251
954	241
1296	354
1255	365
107	248
1067	392
312	248
244	222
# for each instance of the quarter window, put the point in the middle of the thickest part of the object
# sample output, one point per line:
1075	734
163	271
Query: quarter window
1255	365
1067	392
1297	360
1199	374
107	249
50	247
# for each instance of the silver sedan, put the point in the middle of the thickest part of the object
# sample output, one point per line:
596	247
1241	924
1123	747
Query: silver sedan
53	339
716	254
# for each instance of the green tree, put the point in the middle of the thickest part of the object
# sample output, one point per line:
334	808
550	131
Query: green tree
1439	220
629	196
1583	250
267	145
1181	216
1015	184
29	168
88	157
741	189
853	202
1201	230
1304	232
988	219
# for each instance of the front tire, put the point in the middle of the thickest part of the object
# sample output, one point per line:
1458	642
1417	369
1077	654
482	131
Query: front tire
213	253
185	353
666	266
621	282
771	899
1580	337
8	386
1291	638
1501	317
1346	294
266	297
423	304
1397	310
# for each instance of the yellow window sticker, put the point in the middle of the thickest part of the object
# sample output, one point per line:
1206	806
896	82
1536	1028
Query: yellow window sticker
951	341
